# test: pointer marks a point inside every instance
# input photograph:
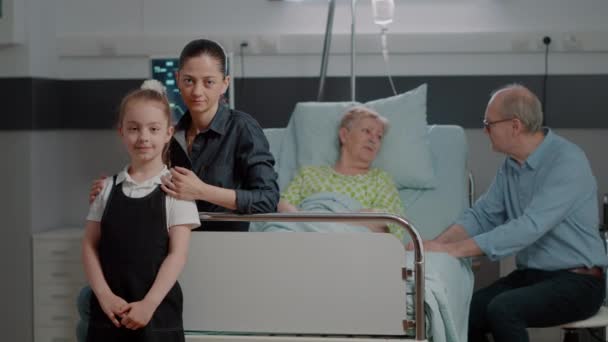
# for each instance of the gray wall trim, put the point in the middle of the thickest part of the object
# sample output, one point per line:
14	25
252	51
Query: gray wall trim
573	101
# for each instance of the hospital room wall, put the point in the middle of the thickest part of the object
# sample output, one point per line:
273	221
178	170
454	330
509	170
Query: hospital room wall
20	55
88	39
285	39
47	171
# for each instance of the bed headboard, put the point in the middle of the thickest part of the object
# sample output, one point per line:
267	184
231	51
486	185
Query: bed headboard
432	210
295	283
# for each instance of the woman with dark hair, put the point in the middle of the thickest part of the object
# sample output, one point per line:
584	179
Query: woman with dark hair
220	157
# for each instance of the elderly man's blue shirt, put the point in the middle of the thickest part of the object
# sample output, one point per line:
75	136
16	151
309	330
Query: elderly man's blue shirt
545	211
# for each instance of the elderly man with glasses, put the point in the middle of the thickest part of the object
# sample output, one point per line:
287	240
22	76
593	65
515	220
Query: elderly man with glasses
541	207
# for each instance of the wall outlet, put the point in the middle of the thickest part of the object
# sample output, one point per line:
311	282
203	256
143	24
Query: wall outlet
521	44
571	42
237	40
530	42
106	47
260	44
268	44
540	44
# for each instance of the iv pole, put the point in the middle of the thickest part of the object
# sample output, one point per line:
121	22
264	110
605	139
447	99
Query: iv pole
327	45
353	4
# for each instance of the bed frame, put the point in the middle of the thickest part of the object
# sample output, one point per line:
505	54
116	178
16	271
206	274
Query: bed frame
301	286
284	287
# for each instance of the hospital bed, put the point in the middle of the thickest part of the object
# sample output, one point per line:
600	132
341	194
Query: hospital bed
323	287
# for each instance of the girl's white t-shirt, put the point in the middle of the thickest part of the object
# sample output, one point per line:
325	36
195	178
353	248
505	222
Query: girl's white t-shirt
179	212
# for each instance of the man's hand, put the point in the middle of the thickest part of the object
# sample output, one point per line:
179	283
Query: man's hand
183	184
429	246
458	249
434	246
96	188
138	314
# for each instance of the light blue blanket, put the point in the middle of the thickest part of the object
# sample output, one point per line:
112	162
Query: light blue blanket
448	280
322	202
447	298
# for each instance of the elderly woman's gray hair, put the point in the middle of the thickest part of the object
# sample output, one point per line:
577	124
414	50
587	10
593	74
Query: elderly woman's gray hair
356	113
519	102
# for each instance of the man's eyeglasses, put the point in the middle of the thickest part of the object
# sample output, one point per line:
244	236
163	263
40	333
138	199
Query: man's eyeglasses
488	124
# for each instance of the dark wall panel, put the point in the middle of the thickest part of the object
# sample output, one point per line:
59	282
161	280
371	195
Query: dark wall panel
92	104
16	103
46	104
573	101
577	101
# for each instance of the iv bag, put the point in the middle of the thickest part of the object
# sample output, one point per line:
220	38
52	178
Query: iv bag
383	11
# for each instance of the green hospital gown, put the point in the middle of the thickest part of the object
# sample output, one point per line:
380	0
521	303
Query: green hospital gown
374	190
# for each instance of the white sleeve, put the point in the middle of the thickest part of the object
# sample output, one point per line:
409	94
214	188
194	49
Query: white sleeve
99	204
180	212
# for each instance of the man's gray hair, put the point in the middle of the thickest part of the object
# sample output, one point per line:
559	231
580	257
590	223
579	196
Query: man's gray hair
520	103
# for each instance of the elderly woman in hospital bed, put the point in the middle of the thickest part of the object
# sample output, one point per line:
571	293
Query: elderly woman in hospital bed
427	164
351	184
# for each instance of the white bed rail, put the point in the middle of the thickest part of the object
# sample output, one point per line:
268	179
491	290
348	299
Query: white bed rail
351	218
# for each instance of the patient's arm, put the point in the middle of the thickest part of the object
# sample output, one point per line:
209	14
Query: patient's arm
387	200
286	207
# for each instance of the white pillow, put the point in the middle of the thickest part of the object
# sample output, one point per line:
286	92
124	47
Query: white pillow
311	138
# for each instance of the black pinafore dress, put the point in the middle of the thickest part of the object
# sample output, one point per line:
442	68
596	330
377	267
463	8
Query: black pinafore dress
134	242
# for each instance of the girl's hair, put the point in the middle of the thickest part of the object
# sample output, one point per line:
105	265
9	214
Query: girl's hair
207	47
153	91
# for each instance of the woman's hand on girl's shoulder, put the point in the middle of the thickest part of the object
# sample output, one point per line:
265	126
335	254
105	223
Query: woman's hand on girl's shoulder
183	184
96	188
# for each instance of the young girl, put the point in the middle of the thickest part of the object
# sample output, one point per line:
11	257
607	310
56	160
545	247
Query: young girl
136	237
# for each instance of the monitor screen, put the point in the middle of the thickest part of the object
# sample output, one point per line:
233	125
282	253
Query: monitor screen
163	70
